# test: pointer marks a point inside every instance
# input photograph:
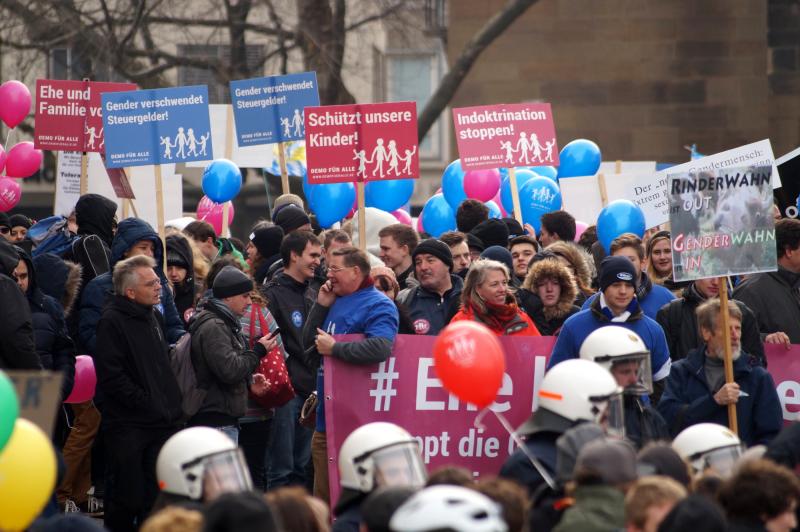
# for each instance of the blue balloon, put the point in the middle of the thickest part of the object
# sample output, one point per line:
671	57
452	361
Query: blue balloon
546	171
222	180
523	176
453	185
332	202
494	210
618	217
437	216
388	195
308	191
578	158
538	196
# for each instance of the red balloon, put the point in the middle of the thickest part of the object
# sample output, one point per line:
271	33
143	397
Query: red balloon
85	380
23	160
10	193
470	362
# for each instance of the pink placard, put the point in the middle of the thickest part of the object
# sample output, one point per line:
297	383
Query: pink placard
365	142
68	114
504	136
404	390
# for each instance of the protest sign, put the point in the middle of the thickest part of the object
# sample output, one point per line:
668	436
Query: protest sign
364	142
626	167
68	182
585	197
39	394
157	126
404	390
494	136
269	110
786	196
721	221
68	114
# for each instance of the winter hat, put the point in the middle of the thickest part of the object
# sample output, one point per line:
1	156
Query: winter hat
231	281
695	512
4	221
475	243
661	459
240	512
514	227
175	259
612	460
267	240
385	272
20	220
500	254
437	248
492	232
290	217
615	269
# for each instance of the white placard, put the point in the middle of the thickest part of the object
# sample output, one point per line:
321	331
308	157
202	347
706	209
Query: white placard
68	182
627	167
247	157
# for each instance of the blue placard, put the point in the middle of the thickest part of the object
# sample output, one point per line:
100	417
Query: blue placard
157	126
270	110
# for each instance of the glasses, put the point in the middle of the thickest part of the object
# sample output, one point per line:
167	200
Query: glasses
153	283
335	269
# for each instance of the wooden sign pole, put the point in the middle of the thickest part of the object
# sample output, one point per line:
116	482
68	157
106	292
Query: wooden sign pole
84	173
284	170
512	180
601	182
362	218
228	155
726	337
160	213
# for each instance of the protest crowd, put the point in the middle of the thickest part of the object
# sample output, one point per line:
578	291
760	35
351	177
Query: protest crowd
204	377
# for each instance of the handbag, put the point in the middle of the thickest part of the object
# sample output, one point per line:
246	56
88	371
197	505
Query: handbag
308	414
272	366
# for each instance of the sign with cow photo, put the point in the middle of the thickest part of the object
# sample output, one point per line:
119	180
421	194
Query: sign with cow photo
722	222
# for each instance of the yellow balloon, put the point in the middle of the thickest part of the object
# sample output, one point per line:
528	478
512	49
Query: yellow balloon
27	475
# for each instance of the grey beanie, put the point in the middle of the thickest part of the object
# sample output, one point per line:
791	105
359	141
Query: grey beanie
231	281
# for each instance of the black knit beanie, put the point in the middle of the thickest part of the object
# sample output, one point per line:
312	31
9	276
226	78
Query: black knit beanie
267	240
290	217
20	220
492	232
231	281
616	269
437	248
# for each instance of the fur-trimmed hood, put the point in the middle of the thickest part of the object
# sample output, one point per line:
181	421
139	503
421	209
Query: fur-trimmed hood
58	278
552	268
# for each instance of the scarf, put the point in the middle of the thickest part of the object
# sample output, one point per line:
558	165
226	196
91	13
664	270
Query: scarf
644	287
606	310
498	315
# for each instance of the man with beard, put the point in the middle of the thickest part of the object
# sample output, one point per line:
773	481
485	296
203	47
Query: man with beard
696	391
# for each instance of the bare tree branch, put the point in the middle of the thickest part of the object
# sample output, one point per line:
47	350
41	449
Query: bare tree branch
463	63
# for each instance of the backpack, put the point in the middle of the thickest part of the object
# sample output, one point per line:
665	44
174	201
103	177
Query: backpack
180	359
51	235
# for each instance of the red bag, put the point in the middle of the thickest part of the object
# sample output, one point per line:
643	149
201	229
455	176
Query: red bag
272	366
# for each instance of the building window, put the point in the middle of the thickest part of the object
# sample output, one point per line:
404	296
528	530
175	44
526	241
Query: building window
69	63
217	92
413	76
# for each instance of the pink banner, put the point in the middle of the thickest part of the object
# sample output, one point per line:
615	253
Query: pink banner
404	390
68	116
366	142
496	136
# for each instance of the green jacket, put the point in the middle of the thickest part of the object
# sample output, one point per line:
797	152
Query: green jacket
596	509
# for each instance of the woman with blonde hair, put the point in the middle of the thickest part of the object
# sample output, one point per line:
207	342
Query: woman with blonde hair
487	299
579	264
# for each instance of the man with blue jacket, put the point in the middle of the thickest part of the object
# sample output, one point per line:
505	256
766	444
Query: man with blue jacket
616	304
696	391
133	237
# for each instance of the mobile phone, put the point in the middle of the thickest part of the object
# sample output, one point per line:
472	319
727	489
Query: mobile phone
274	333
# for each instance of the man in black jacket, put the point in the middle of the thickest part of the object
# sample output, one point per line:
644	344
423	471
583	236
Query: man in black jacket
17	349
679	322
142	403
289	299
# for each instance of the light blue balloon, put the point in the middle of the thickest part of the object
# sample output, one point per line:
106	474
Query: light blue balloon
308	191
453	184
619	217
388	195
579	158
538	196
523	176
546	171
494	210
332	202
222	180
437	216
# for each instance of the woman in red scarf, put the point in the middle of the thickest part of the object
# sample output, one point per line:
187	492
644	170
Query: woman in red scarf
487	299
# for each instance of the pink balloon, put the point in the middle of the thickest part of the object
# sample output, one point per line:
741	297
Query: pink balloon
2	158
10	194
418	225
482	185
211	212
580	227
23	160
85	380
15	102
402	216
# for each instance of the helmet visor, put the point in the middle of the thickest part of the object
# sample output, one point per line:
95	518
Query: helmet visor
633	372
610	414
225	472
721	461
399	465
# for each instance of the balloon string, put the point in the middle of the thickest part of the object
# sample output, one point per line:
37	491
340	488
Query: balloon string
478	424
8	137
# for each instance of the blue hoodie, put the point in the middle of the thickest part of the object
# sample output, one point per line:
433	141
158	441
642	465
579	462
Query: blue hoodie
101	288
